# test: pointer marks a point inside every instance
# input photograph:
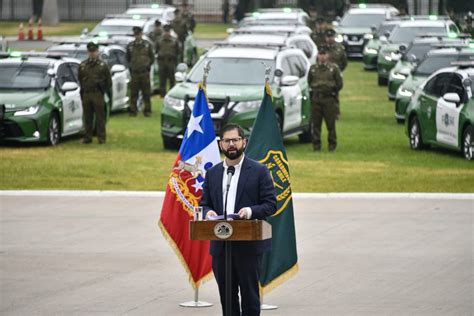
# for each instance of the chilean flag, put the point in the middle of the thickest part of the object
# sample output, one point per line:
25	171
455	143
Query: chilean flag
198	153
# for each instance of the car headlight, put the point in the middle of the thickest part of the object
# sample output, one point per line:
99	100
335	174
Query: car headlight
247	106
177	104
339	38
371	51
398	76
368	36
405	92
28	111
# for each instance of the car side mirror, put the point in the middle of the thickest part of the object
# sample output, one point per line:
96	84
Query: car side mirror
117	68
387	35
69	86
452	97
230	30
50	72
335	23
289	80
413	58
278	73
179	76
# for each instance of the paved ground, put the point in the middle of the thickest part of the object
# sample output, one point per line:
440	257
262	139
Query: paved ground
106	256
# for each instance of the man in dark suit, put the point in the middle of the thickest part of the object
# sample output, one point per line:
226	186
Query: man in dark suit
252	196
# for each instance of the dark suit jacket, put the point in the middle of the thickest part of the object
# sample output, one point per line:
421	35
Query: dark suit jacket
254	189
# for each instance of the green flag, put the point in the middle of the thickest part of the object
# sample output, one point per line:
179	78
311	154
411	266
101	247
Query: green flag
266	146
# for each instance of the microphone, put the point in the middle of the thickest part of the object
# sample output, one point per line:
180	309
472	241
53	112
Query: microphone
230	173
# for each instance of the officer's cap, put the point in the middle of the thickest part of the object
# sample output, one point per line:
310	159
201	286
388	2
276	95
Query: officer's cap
137	30
330	32
167	28
92	47
323	49
157	22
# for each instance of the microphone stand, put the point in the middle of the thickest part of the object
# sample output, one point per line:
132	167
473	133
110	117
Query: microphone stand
228	254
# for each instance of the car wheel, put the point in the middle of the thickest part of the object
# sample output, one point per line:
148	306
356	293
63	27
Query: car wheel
468	143
400	121
171	143
416	141
54	134
382	81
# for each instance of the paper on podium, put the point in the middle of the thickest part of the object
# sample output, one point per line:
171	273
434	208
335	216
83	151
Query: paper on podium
221	217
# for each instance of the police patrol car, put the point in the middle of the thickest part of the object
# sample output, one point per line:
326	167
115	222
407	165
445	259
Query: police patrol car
115	58
300	41
236	98
276	29
378	36
39	97
354	30
442	110
288	16
165	13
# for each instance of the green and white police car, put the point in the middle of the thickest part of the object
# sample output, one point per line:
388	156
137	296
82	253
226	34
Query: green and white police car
379	36
115	58
434	60
411	56
441	112
165	13
39	97
404	34
283	16
235	90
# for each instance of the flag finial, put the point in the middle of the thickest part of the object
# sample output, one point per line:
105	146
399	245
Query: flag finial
268	88
207	69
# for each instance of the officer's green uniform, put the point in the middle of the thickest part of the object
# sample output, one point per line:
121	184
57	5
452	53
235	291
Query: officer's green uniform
337	52
318	37
325	81
156	34
95	81
140	57
181	29
168	49
190	21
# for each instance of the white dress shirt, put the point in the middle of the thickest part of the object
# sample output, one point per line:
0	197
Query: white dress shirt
233	189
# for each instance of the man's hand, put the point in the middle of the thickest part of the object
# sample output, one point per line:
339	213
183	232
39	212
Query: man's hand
244	213
210	213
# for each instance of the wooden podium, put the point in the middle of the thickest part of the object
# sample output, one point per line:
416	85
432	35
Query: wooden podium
229	231
237	230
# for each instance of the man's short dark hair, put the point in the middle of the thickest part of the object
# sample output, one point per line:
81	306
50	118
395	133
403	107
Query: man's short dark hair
231	127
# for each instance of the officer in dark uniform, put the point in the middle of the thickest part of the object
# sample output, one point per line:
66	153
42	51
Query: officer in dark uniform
337	52
319	33
188	16
156	33
180	26
325	81
140	57
95	81
167	49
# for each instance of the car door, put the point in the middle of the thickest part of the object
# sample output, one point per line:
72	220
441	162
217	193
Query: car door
291	96
428	100
120	80
447	114
70	100
306	45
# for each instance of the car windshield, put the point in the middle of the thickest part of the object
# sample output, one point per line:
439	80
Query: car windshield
78	54
434	63
362	20
408	34
233	71
418	50
24	76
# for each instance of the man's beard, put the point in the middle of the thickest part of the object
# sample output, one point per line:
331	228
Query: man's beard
235	154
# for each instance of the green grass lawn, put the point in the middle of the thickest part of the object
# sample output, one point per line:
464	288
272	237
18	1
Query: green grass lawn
372	156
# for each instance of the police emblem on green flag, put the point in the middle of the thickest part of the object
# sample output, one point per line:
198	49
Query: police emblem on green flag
266	146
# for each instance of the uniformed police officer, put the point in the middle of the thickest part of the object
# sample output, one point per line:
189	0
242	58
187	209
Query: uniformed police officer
167	49
180	27
95	81
140	57
325	81
188	16
156	33
337	52
319	33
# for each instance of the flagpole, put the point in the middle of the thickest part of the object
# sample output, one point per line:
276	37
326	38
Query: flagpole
266	307
197	302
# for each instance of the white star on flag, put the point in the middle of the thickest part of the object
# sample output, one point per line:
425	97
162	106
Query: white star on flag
194	125
198	185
